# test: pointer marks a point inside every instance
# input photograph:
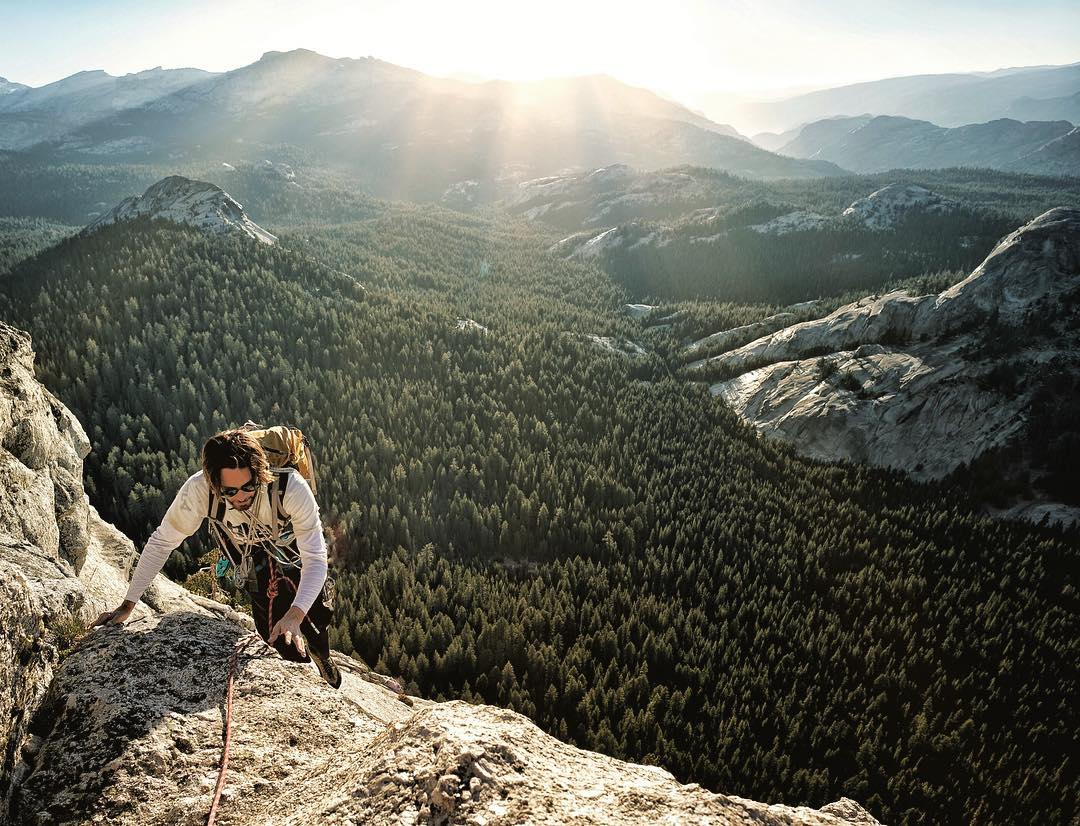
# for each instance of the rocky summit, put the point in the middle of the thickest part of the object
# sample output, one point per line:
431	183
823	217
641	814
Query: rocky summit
920	383
888	206
125	725
196	203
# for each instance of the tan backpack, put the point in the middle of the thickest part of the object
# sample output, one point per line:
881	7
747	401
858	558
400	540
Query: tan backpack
286	447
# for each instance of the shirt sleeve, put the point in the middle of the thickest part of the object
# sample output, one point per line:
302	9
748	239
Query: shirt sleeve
181	520
301	506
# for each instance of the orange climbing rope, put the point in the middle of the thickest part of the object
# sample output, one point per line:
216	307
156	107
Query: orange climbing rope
275	578
271	593
240	645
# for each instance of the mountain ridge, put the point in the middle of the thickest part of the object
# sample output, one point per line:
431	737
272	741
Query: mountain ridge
884	142
405	134
182	200
7	87
950	99
661	235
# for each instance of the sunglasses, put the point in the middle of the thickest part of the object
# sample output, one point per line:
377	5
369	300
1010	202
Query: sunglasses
248	488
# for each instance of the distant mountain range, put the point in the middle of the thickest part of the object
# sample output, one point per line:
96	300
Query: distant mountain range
1067	108
1026	93
873	144
404	133
7	86
683	233
30	116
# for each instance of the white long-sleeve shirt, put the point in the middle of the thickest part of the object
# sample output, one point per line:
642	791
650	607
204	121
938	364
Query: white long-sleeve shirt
188	509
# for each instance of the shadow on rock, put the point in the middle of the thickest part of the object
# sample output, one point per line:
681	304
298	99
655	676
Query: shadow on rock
114	704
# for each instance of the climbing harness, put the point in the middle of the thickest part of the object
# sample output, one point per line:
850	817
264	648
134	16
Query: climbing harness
241	644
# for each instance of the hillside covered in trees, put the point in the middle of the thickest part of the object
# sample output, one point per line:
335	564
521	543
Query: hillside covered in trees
522	518
730	260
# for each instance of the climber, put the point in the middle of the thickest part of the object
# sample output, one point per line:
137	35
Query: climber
267	522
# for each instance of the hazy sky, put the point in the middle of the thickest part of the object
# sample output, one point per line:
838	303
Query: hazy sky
681	47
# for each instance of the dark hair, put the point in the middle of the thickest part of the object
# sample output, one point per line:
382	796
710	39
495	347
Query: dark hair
234	449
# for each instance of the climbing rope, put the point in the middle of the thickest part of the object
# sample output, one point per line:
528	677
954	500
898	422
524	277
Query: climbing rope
241	644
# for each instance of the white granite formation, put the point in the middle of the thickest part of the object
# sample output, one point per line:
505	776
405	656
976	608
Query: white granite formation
902	381
196	203
888	206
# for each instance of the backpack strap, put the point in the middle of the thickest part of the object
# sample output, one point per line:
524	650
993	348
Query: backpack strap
276	493
218	512
311	465
213	522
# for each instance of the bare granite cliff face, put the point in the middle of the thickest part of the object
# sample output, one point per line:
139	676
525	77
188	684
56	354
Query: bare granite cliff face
125	725
60	563
925	383
44	535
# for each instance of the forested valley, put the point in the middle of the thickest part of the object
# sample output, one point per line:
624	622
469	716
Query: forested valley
519	517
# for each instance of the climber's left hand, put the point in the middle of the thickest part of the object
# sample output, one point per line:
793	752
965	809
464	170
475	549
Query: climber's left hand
289	625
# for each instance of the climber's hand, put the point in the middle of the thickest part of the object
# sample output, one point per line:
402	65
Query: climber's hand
289	625
116	617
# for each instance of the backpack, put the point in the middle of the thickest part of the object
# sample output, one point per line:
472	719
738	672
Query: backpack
286	447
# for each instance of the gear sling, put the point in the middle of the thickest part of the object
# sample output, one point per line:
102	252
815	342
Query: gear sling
268	569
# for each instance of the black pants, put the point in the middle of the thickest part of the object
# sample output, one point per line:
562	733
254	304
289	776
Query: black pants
275	589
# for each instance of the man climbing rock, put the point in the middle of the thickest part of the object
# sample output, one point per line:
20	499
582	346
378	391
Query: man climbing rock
266	522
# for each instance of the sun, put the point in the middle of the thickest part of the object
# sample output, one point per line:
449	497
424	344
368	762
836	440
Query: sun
521	42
